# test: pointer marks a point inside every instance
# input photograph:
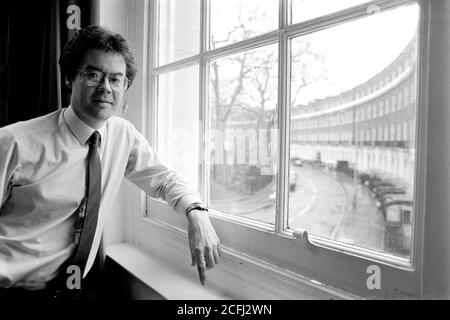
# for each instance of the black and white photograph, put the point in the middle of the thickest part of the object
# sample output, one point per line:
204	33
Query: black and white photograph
224	155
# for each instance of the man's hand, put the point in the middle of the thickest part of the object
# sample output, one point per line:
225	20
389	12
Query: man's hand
203	242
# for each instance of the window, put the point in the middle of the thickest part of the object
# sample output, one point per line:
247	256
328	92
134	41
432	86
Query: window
393	102
400	99
179	26
405	131
380	134
406	96
309	9
398	136
180	137
392	132
235	20
243	109
271	131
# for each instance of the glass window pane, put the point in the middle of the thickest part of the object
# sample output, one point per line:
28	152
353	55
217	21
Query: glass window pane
354	188
178	137
178	33
236	20
243	136
303	10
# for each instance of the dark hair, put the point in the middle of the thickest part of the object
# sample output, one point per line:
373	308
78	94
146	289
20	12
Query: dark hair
95	38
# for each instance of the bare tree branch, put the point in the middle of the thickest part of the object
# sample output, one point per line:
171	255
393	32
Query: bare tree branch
254	87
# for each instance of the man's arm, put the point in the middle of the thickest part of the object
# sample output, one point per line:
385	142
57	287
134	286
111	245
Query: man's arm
147	172
8	163
203	242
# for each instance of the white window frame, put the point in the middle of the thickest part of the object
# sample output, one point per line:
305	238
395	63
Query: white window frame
297	254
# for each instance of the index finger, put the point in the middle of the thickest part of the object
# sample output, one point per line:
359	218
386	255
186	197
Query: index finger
201	267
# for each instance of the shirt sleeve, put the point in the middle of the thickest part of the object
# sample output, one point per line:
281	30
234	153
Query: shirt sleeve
8	163
149	173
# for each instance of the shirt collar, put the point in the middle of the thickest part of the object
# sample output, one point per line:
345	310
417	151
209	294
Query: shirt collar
79	129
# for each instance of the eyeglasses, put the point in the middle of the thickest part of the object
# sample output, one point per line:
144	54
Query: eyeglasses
92	78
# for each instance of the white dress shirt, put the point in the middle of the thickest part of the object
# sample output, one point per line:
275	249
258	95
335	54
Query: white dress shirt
42	182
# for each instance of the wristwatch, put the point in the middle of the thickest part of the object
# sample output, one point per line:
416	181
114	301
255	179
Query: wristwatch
195	206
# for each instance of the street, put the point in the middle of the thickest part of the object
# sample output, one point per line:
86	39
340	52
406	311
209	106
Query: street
324	204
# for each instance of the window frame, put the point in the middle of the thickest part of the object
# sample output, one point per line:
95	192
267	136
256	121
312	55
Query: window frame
322	260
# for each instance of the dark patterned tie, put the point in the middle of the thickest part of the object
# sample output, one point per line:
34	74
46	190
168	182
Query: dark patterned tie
89	216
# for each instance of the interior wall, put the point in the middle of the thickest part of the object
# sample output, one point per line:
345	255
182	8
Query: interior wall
436	260
119	16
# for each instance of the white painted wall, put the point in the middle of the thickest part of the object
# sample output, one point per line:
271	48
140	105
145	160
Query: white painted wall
120	16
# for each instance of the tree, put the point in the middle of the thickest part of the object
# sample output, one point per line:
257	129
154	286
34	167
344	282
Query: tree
244	86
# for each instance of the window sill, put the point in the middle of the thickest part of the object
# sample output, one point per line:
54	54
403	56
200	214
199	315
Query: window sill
159	275
161	260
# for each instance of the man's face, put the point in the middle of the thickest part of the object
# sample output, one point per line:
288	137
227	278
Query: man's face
95	105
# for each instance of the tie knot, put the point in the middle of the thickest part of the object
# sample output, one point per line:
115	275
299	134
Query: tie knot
94	140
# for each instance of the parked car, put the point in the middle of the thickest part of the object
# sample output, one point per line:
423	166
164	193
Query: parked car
382	191
363	177
397	211
343	167
377	182
297	162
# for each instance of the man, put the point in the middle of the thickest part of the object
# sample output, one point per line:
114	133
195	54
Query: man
60	173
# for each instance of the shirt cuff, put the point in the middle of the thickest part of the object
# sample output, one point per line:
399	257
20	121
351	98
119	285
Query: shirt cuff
185	202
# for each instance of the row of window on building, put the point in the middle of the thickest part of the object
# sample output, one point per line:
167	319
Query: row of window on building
398	99
386	120
400	134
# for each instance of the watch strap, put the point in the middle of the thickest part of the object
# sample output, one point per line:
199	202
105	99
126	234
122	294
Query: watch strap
195	206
